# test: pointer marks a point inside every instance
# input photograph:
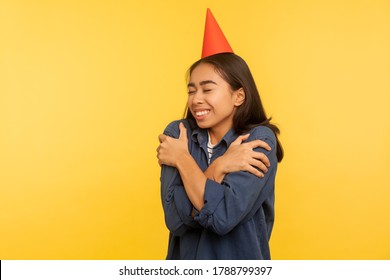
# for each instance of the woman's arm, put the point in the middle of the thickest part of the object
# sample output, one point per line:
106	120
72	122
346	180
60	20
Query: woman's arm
241	194
220	206
174	152
240	156
178	209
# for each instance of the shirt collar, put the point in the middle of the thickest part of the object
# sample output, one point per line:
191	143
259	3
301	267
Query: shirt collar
200	135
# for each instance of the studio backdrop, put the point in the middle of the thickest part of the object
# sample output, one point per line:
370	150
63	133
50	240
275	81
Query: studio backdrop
87	86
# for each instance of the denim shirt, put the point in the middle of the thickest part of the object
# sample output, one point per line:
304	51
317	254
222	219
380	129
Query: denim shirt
238	214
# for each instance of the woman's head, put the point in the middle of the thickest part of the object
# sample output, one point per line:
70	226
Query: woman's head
212	101
248	110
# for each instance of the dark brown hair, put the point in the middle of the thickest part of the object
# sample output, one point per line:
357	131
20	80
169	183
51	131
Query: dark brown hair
234	70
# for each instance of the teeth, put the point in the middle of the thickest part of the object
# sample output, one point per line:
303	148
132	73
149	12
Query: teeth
202	113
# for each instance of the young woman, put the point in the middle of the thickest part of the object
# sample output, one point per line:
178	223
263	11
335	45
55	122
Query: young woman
219	166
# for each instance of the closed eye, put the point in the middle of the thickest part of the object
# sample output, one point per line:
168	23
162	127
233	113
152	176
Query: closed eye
191	91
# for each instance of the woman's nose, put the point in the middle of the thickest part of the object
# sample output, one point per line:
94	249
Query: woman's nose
197	98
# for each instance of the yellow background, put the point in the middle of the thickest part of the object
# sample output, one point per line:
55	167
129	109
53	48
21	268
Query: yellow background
86	87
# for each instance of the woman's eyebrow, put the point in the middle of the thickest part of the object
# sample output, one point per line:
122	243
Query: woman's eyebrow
207	82
202	83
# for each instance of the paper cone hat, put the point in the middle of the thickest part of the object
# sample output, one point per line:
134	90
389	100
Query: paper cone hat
214	41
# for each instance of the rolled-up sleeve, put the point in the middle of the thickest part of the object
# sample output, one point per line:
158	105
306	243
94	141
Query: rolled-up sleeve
240	194
177	207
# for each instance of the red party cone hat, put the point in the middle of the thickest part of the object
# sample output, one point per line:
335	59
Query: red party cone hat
214	41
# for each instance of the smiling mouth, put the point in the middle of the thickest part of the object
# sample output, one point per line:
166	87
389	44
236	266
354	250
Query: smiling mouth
202	113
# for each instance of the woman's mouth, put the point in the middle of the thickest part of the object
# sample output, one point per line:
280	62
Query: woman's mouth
201	114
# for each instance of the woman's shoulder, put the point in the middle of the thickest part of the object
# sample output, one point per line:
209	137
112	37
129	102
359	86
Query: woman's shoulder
262	132
266	134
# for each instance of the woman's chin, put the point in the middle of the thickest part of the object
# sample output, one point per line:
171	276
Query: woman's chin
202	125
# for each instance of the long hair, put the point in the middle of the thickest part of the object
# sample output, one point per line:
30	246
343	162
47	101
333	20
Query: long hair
234	70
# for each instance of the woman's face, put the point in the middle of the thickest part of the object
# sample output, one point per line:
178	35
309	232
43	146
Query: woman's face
211	100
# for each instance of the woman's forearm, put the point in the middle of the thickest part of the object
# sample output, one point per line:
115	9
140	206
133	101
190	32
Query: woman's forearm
194	180
214	171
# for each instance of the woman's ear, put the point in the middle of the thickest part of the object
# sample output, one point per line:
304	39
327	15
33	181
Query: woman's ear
240	97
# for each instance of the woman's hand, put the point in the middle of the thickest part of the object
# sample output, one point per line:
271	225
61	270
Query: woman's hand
241	157
171	149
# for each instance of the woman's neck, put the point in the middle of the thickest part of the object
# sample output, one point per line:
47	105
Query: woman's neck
216	135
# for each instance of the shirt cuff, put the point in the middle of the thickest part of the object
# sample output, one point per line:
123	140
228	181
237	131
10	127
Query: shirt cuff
213	195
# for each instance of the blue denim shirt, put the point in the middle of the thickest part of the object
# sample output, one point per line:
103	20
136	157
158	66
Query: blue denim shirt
238	214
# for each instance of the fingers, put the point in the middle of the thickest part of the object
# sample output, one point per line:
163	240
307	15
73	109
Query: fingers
259	144
162	137
158	155
183	131
254	171
259	165
261	157
244	137
240	139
